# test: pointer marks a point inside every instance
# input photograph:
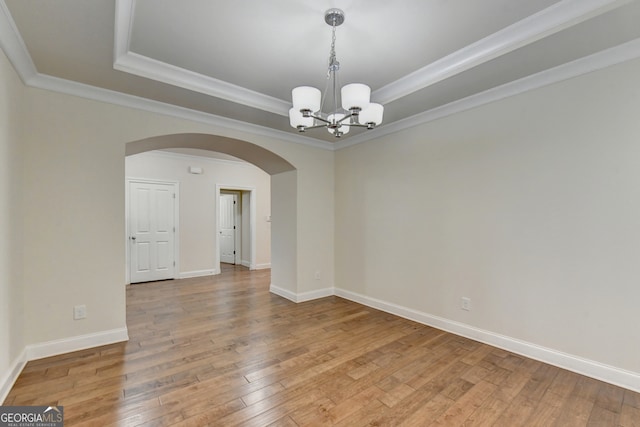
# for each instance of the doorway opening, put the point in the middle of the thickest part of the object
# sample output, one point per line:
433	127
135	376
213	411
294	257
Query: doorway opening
236	231
229	227
280	236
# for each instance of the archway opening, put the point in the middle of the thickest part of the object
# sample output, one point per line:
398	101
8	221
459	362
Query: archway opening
283	185
266	160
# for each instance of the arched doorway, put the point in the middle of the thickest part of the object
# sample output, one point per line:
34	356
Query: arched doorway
283	189
266	160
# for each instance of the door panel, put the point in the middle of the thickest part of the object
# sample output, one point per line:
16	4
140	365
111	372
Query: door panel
142	252
152	231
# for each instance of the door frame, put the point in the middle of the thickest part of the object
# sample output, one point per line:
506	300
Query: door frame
127	218
252	223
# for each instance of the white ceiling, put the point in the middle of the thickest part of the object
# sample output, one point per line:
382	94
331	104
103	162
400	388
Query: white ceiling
235	62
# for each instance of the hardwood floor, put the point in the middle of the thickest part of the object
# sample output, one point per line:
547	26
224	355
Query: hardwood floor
223	351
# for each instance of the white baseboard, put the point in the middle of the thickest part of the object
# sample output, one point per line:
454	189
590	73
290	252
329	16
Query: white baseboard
260	266
590	368
80	342
198	273
305	296
291	296
246	263
311	295
10	378
54	348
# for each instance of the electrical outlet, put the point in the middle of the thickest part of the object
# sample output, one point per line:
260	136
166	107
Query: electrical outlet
317	275
465	303
79	312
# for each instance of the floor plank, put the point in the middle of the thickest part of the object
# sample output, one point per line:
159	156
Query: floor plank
224	351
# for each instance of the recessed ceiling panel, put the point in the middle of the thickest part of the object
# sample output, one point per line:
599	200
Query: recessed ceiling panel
273	46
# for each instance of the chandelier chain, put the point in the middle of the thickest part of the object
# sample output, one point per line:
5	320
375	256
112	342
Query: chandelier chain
334	65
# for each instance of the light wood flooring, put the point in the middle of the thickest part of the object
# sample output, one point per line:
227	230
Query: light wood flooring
223	351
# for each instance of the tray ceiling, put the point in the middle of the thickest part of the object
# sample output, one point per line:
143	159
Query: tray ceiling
236	62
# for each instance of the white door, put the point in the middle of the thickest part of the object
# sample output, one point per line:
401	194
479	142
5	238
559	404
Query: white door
151	231
228	203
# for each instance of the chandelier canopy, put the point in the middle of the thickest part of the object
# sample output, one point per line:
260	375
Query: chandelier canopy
351	106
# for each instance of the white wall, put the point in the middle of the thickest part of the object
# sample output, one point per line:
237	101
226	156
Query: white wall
198	205
11	290
529	206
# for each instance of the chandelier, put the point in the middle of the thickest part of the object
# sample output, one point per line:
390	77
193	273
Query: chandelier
355	110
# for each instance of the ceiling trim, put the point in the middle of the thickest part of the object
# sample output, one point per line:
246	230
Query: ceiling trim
555	18
12	44
143	66
14	47
150	68
55	84
16	51
603	59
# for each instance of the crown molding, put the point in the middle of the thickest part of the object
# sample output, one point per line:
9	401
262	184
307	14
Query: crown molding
150	68
12	44
526	31
143	66
15	49
122	27
603	59
55	84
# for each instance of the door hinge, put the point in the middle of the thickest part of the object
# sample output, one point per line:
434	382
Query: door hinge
174	195
234	252
174	229
234	227
174	263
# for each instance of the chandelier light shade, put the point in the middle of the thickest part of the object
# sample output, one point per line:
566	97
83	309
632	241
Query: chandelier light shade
306	98
371	114
355	96
296	119
352	105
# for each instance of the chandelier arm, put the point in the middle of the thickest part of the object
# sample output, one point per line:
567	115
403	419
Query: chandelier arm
369	125
347	116
304	128
322	119
356	125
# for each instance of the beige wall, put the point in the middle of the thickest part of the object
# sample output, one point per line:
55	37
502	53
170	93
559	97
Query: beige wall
74	217
529	206
198	249
74	204
284	220
11	290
